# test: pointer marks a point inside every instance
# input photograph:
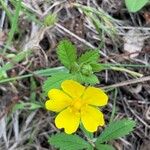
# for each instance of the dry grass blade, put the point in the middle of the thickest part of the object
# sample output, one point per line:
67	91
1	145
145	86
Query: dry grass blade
128	82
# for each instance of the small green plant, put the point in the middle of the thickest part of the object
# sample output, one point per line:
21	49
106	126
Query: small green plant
103	23
81	69
77	105
50	19
111	132
135	5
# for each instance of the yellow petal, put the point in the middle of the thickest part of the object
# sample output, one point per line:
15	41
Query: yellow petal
95	96
57	94
67	120
92	118
58	100
73	88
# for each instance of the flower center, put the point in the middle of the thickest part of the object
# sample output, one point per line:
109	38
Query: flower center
77	105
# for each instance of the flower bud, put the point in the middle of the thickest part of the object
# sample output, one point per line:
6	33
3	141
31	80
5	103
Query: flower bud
86	70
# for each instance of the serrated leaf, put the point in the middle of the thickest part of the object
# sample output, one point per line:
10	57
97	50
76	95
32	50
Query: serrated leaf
68	142
104	147
55	81
92	79
96	67
66	52
135	5
89	57
115	130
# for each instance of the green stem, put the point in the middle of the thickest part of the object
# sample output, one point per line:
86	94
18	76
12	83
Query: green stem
4	7
13	24
44	73
125	65
133	73
114	105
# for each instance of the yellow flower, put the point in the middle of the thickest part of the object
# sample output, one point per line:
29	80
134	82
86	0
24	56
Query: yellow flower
76	103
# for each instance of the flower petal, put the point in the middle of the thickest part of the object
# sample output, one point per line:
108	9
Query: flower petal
58	100
67	120
73	88
92	118
95	96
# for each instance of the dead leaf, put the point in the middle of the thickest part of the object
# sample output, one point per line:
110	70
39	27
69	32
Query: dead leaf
145	145
147	114
147	17
118	146
3	37
133	42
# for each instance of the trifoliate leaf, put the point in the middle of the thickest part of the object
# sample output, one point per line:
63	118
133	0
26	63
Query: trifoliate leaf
96	67
115	130
66	52
55	81
89	57
104	147
135	5
68	142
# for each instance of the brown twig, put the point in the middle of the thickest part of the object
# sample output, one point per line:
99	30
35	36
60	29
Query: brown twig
128	82
125	55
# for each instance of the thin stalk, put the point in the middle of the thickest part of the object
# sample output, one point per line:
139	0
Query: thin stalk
125	65
133	73
114	106
43	73
14	24
4	7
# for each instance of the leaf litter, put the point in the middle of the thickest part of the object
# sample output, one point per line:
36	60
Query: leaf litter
24	129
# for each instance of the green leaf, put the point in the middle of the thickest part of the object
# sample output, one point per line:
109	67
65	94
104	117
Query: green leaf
89	57
27	106
115	130
68	142
50	19
66	52
55	81
104	147
92	79
86	70
44	73
14	25
96	67
135	5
